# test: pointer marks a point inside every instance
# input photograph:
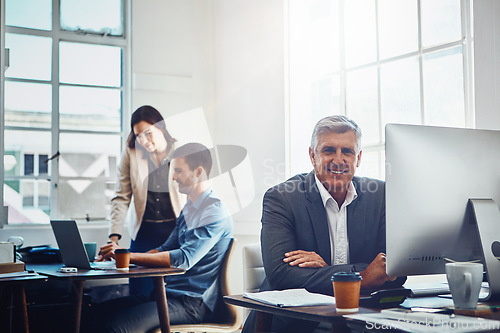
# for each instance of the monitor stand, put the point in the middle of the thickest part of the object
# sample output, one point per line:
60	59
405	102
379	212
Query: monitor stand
488	222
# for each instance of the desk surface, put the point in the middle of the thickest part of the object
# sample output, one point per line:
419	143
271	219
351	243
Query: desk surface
53	271
321	313
77	279
328	313
22	278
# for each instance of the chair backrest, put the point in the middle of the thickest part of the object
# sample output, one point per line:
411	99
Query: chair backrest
231	318
232	314
253	268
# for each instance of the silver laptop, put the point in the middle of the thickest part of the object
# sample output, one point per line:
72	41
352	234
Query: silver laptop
71	246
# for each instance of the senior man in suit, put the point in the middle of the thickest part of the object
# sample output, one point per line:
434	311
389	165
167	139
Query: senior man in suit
324	222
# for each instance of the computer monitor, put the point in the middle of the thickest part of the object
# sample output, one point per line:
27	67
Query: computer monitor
432	173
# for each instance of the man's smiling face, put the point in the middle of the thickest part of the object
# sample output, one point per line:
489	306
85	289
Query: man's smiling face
335	160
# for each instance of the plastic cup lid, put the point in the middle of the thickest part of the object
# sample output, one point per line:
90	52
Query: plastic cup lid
346	276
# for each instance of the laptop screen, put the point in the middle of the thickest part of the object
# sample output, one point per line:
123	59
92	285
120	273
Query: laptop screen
70	243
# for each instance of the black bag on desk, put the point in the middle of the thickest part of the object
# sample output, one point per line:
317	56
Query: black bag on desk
42	254
389	298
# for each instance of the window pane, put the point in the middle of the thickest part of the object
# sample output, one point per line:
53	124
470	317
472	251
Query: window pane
325	97
90	109
30	57
28	192
94	16
444	88
88	155
28	200
398	27
34	111
323	37
360	32
34	14
314	37
20	143
314	65
440	21
371	165
362	102
400	92
43	166
90	64
29	164
44	195
87	169
81	199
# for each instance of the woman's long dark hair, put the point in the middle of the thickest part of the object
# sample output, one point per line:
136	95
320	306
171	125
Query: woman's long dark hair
150	115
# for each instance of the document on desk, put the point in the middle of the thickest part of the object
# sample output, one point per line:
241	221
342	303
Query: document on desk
290	297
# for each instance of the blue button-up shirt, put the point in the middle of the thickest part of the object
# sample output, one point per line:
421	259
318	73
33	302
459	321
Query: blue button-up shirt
198	243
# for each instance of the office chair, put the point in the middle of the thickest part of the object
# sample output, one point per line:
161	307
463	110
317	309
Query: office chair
253	268
232	317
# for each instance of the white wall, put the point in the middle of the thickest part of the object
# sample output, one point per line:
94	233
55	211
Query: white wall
487	63
172	57
249	89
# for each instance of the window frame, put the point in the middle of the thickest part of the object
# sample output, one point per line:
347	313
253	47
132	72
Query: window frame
468	75
57	35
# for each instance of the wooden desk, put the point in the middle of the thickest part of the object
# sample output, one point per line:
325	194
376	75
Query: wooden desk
322	313
77	279
19	295
328	314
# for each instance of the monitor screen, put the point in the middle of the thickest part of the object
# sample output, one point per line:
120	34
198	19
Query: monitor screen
431	173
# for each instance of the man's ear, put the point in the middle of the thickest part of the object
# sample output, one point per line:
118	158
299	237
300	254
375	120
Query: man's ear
359	158
198	171
311	156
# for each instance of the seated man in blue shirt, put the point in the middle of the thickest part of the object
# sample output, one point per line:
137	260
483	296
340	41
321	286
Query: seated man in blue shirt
198	244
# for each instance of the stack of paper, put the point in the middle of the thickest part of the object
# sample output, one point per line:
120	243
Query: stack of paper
291	297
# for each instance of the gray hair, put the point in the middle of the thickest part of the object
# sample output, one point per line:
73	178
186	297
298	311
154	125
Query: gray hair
335	124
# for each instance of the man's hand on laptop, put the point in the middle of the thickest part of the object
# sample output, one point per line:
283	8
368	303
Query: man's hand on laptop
107	252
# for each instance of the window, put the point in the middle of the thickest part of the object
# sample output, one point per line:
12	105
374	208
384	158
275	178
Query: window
378	62
64	101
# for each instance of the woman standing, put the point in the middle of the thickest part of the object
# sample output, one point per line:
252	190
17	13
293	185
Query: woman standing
143	178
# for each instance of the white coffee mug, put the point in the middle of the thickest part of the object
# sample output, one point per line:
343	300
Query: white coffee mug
465	281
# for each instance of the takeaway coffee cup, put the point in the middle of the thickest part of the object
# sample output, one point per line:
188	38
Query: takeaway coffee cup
465	281
122	258
91	249
346	288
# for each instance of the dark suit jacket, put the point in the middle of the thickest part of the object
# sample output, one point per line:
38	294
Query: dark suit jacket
294	218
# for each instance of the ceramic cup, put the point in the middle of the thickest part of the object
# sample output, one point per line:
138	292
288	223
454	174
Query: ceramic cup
465	281
122	258
346	287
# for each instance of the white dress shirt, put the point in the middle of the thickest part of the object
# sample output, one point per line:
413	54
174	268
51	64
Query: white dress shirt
337	222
